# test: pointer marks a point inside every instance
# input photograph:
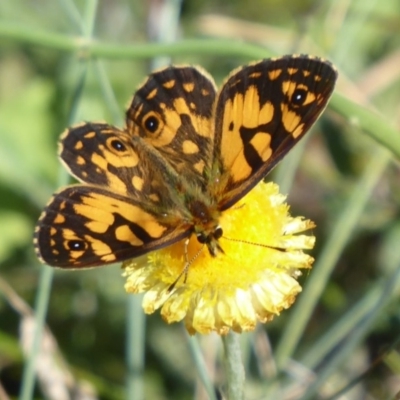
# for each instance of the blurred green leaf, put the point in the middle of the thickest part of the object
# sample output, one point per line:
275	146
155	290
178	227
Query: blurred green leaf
15	232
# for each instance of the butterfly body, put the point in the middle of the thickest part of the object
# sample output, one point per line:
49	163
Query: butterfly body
188	152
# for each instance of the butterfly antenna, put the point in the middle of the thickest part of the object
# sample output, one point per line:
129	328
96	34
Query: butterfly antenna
256	244
185	269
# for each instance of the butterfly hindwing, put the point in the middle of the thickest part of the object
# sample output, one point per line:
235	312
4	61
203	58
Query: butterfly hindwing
84	226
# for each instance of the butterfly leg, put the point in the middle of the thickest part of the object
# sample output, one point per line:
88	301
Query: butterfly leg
188	263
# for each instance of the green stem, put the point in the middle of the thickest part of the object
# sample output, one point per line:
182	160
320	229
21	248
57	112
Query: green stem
370	121
42	301
89	47
234	366
200	365
135	344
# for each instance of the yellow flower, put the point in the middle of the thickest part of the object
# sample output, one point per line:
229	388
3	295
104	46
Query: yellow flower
253	281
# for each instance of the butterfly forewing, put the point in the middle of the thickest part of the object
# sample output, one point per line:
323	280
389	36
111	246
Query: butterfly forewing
262	111
101	154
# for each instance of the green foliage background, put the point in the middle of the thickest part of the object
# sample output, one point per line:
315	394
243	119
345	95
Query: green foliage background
70	60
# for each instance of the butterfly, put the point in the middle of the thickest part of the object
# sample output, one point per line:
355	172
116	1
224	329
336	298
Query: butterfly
187	153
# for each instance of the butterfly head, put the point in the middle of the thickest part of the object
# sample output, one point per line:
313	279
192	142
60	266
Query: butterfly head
210	239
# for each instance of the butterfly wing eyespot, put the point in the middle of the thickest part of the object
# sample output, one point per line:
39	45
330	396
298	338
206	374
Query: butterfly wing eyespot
298	97
152	124
76	245
117	145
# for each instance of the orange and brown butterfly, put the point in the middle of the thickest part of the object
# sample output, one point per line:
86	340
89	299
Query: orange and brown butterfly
187	153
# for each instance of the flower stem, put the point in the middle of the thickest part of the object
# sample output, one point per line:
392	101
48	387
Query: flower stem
233	366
